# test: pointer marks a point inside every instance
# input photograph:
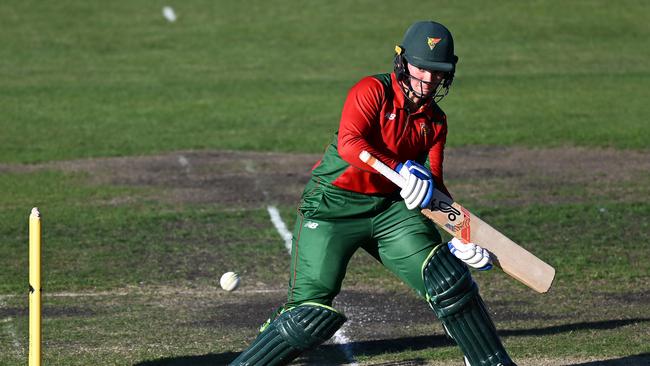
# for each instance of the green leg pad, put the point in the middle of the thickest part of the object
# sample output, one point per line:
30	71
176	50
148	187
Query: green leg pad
453	296
292	332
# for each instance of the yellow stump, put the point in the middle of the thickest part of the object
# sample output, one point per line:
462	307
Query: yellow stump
35	288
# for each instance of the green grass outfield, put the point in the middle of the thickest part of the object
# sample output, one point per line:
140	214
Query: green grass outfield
82	79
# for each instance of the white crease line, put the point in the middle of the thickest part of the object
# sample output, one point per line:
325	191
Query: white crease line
144	292
339	337
344	343
280	226
249	166
182	160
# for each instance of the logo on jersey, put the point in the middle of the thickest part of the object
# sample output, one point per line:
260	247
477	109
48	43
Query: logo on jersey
391	116
432	42
424	130
311	225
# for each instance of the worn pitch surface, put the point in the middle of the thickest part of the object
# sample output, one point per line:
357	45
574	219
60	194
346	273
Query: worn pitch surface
381	320
245	179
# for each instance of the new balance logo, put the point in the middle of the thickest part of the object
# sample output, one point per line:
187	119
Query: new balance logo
311	225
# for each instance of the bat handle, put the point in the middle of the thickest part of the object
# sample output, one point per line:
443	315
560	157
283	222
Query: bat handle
399	181
382	168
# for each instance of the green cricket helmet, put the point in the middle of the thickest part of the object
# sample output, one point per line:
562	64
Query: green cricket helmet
427	45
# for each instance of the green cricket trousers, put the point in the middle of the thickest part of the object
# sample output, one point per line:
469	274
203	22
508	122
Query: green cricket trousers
333	223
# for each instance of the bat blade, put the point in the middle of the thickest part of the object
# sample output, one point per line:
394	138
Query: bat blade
512	258
459	222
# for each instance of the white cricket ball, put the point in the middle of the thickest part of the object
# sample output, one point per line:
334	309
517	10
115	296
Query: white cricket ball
229	281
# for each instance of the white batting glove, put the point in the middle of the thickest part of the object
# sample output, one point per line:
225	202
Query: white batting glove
419	184
472	254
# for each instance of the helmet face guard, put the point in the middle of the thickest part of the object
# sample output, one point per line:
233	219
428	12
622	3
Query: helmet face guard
426	45
406	82
438	92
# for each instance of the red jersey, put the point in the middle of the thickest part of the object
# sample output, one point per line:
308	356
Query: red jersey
375	118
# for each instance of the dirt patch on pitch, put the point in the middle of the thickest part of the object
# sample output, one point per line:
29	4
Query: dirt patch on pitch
516	176
49	312
484	175
386	321
227	179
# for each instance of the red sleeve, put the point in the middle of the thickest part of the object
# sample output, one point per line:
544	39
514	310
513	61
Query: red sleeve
359	121
436	157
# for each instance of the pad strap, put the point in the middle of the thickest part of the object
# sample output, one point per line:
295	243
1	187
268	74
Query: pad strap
453	296
293	331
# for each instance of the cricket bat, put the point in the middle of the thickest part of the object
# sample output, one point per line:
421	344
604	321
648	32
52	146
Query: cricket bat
455	219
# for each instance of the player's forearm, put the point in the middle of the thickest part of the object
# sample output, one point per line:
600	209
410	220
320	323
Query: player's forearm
436	158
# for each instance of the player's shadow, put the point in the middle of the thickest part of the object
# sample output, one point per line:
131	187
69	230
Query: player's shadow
203	360
329	354
640	359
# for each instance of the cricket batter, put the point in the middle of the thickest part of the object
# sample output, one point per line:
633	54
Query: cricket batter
347	205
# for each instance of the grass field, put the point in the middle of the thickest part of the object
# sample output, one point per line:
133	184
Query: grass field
154	150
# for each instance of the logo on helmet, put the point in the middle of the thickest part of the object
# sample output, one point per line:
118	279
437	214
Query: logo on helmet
432	42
